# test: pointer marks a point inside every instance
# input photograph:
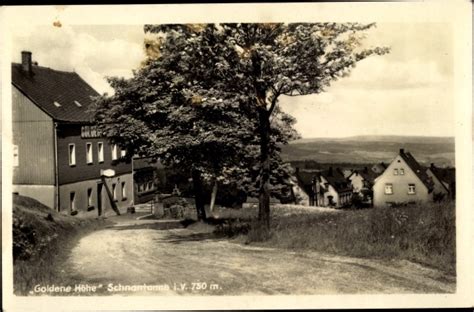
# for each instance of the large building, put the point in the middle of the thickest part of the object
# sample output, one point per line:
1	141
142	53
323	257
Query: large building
59	156
406	181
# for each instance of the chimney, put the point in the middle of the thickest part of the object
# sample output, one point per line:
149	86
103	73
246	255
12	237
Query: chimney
26	61
432	165
402	151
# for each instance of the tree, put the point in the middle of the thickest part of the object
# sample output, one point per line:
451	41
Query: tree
239	70
158	113
253	65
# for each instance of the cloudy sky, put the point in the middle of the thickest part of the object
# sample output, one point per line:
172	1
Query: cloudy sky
407	92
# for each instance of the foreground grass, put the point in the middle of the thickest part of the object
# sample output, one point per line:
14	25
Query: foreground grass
41	242
424	234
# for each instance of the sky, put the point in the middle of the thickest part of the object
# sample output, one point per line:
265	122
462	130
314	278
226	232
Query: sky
409	91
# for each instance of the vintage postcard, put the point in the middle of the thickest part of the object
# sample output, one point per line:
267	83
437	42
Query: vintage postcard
237	156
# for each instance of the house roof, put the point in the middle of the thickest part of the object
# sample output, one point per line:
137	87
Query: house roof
56	92
305	179
367	175
146	163
337	180
447	175
417	169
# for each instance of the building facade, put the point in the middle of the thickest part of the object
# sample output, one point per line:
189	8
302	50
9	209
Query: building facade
404	181
59	156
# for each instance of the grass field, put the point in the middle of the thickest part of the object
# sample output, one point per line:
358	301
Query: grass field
424	234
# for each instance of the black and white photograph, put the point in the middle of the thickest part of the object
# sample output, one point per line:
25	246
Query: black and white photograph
284	155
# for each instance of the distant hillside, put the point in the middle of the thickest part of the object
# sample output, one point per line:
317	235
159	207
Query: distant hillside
371	149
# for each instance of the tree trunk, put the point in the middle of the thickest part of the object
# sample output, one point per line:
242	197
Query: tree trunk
213	197
198	195
264	187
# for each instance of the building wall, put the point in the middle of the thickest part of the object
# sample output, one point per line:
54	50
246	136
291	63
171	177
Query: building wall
357	182
82	171
400	185
81	198
42	193
33	134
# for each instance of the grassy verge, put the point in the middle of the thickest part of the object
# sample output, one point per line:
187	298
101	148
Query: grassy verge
424	233
41	240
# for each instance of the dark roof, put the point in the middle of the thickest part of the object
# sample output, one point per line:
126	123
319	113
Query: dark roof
447	175
44	86
367	175
146	163
305	179
337	180
417	169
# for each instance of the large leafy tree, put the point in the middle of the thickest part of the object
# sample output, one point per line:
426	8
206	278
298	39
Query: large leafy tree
252	65
241	71
160	113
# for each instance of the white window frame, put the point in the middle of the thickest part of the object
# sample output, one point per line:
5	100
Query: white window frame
123	153
16	158
72	154
395	171
388	189
100	152
402	171
124	190
411	189
89	153
114	152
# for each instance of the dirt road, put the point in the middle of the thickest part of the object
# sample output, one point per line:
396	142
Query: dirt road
184	261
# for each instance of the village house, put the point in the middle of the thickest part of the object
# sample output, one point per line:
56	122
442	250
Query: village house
60	158
146	179
362	182
444	180
325	188
405	181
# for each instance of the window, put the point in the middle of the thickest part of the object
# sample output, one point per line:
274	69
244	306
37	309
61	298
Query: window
395	171
72	155
114	152
411	189
124	191
388	188
100	152
402	171
16	161
123	153
114	191
89	197
89	153
72	201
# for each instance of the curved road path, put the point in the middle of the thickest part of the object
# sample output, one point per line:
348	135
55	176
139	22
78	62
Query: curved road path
175	261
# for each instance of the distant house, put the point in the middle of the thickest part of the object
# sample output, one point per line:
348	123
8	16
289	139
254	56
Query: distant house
145	179
362	179
404	181
332	189
59	155
325	188
362	182
444	180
